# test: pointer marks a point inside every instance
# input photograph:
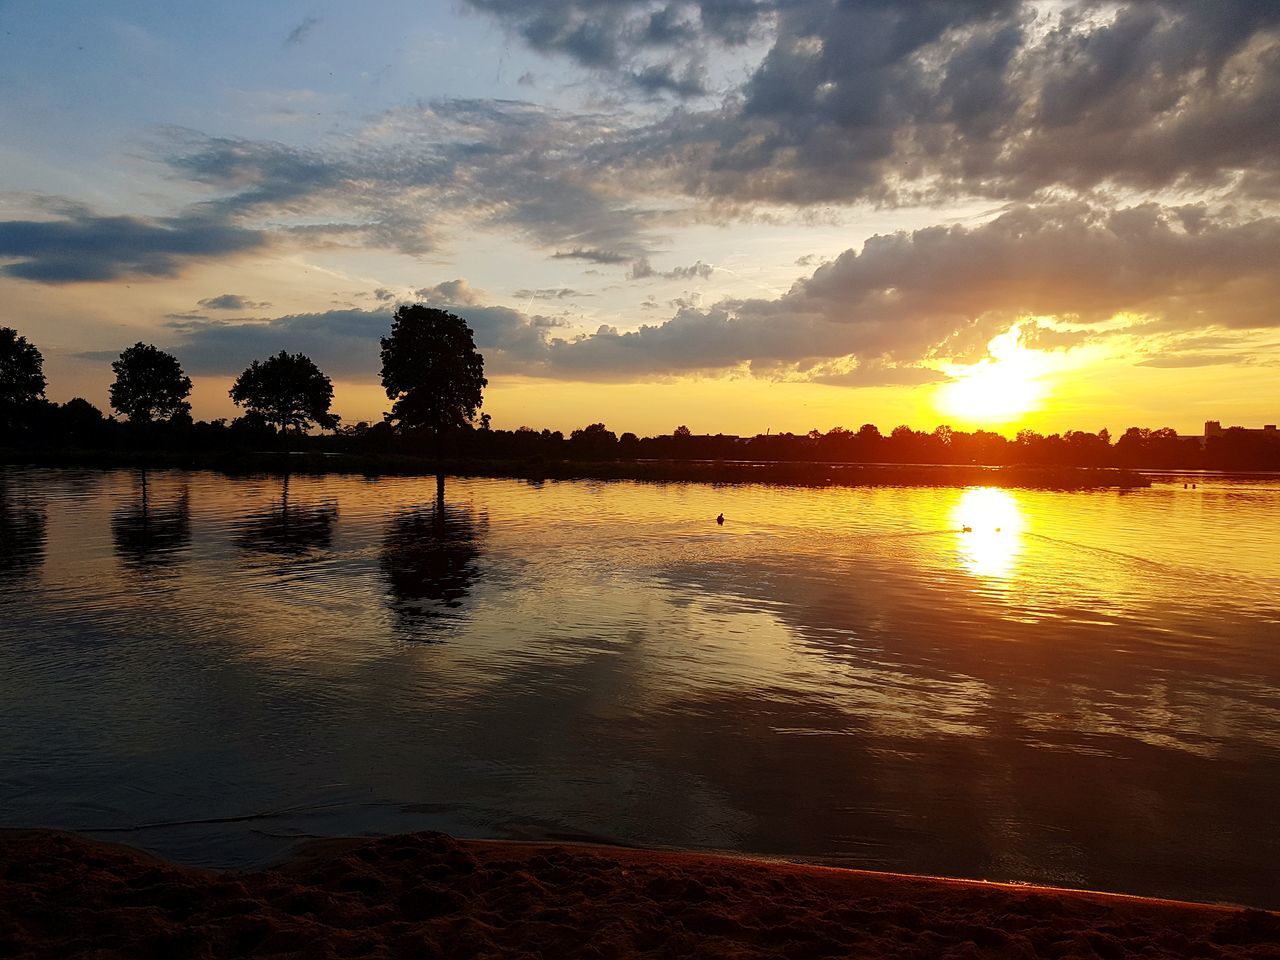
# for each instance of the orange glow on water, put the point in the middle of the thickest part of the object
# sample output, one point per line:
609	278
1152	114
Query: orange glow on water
991	523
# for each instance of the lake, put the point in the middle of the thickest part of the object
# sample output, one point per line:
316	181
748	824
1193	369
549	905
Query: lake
1082	690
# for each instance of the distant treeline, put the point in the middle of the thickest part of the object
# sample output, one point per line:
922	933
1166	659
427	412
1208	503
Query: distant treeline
79	426
434	376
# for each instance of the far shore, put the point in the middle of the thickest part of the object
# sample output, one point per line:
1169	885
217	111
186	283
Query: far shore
784	473
428	895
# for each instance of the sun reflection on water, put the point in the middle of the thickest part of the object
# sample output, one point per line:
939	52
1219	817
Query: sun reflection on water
990	523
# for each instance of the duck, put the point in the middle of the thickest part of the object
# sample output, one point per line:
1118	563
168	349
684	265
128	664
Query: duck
720	519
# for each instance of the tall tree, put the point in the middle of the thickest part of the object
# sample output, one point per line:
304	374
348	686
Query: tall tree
21	377
288	391
431	371
149	385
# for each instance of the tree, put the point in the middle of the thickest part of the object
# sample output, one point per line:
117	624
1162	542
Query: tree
431	371
149	385
288	391
21	377
593	440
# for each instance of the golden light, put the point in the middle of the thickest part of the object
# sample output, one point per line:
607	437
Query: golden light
989	525
1001	387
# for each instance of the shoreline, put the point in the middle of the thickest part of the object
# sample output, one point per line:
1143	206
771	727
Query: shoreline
426	894
778	473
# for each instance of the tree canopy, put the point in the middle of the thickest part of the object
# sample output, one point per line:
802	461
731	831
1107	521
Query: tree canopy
21	375
431	370
149	385
288	391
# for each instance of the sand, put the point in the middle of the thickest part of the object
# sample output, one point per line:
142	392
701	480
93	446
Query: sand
427	895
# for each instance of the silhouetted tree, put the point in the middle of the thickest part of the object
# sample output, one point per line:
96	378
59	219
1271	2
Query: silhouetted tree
431	370
288	391
594	440
22	380
150	385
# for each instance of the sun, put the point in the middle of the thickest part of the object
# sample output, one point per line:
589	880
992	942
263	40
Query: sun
1002	387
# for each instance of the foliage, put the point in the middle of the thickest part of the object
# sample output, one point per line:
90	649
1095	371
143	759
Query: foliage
287	391
593	441
22	380
431	370
150	385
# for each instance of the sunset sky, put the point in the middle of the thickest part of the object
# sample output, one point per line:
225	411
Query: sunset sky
735	214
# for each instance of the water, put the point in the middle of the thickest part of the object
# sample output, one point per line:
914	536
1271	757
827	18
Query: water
1087	696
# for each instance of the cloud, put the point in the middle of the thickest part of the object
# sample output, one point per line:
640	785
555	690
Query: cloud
81	247
343	343
879	375
655	46
841	102
642	270
907	298
419	171
877	315
550	293
232	301
591	255
303	30
1179	361
860	100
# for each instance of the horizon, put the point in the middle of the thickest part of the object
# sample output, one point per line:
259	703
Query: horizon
767	217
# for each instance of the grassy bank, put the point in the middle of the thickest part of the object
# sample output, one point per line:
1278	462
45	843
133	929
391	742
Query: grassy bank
791	473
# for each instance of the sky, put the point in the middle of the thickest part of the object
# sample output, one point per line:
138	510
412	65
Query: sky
739	215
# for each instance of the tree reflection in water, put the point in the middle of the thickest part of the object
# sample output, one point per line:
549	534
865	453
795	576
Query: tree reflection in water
430	562
150	535
289	529
22	536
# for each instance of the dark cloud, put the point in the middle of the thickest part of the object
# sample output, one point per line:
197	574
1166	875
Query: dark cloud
510	337
232	301
657	46
81	247
870	100
642	270
344	343
591	255
303	30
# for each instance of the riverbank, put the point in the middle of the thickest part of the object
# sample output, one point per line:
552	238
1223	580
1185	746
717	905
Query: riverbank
786	473
427	895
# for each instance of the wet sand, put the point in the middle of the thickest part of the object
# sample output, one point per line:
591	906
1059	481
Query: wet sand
428	895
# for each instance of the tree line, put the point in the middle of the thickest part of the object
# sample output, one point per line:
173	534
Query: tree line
431	372
434	376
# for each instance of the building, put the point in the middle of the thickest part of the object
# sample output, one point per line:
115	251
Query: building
1214	428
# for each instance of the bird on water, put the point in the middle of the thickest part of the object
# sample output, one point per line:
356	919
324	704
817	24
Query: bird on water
720	519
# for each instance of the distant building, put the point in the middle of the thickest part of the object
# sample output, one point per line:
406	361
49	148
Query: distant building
1214	428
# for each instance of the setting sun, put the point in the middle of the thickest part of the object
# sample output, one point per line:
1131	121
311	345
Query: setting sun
1001	387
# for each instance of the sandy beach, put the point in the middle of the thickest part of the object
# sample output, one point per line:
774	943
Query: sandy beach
428	895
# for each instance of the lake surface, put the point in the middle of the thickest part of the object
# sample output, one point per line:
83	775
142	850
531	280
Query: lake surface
1088	695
